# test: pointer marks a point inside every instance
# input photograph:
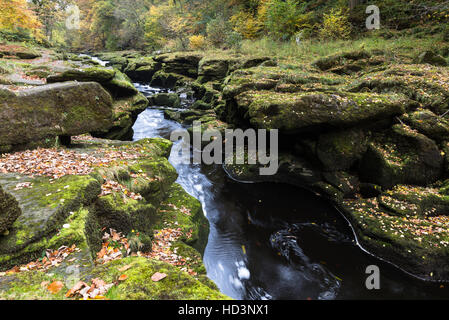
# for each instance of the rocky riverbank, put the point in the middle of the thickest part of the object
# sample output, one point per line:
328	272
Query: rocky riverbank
100	218
365	129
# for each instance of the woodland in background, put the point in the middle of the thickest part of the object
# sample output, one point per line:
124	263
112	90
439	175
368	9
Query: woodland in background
203	24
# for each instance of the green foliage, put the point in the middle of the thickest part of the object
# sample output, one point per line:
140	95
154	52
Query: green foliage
217	29
284	18
335	25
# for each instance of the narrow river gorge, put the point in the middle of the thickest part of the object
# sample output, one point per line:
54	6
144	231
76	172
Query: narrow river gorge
276	241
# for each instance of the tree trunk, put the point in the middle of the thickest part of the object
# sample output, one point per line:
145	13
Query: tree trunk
353	3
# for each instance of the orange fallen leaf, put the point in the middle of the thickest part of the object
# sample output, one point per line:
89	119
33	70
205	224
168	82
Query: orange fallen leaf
158	276
55	287
123	277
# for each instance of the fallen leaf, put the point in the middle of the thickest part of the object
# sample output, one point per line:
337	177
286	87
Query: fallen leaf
123	277
124	268
55	287
158	276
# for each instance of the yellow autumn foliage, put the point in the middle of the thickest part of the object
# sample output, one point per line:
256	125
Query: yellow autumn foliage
246	24
197	42
15	14
335	25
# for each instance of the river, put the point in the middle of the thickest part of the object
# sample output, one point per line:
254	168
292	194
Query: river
275	241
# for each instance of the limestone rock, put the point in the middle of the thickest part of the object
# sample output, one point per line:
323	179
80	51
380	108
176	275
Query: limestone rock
68	109
9	210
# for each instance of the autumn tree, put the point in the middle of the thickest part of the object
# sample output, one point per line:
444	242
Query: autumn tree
50	13
16	15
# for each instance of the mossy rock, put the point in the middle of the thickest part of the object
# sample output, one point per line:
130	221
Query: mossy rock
153	178
401	156
428	123
400	240
346	183
45	208
182	63
34	115
120	86
171	100
9	211
210	69
432	58
201	105
181	208
138	286
165	80
38	73
339	59
178	285
424	84
412	201
124	215
279	79
20	52
294	113
142	68
125	113
340	150
97	74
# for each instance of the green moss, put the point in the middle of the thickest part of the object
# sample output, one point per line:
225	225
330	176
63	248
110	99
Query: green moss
419	245
120	86
98	74
292	112
181	208
46	208
27	286
176	286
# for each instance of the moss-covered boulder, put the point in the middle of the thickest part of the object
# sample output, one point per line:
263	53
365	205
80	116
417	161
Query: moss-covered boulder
424	84
61	109
45	208
401	156
120	86
212	69
171	100
432	58
412	201
293	113
183	63
142	68
340	150
19	51
282	78
187	211
347	63
163	79
97	74
418	244
125	113
216	67
9	211
428	123
177	285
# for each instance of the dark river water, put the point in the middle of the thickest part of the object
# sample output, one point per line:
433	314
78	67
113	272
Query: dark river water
275	241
